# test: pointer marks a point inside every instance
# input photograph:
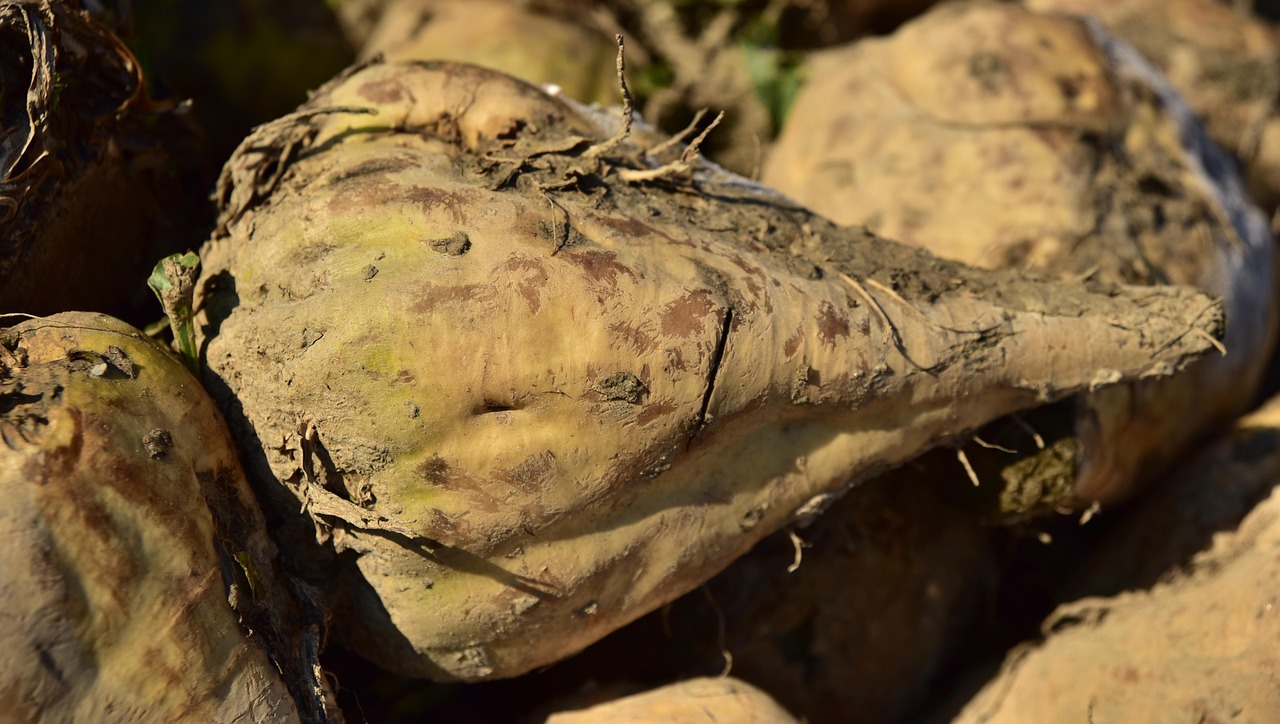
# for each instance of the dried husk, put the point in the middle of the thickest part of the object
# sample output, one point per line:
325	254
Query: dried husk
1001	138
94	176
137	580
527	401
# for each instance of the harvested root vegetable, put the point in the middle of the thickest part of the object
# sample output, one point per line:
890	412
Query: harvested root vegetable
1224	62
1198	646
502	35
531	385
136	576
695	701
1001	138
91	170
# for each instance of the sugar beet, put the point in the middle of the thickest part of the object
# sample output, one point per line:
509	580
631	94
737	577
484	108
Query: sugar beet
531	386
1006	139
136	575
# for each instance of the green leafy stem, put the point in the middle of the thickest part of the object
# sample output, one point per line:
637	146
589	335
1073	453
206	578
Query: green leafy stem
174	283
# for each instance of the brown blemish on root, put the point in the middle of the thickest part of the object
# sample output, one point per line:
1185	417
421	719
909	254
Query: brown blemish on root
601	265
63	460
831	324
532	281
627	228
683	317
438	472
639	340
654	411
365	193
531	474
753	278
458	205
448	529
131	481
435	295
792	345
382	91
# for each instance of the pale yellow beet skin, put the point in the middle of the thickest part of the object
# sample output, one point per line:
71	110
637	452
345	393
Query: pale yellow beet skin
595	402
502	35
1226	63
960	116
1002	138
114	606
695	701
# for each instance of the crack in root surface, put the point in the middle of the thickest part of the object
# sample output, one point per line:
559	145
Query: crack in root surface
717	359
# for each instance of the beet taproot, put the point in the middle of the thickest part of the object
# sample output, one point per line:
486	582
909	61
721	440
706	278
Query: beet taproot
1007	139
138	580
530	384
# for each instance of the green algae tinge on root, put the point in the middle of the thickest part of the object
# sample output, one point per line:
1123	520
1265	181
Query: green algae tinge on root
125	509
526	401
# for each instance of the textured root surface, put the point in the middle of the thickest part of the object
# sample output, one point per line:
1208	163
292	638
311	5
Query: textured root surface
530	401
1002	138
505	36
693	701
1226	63
128	528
